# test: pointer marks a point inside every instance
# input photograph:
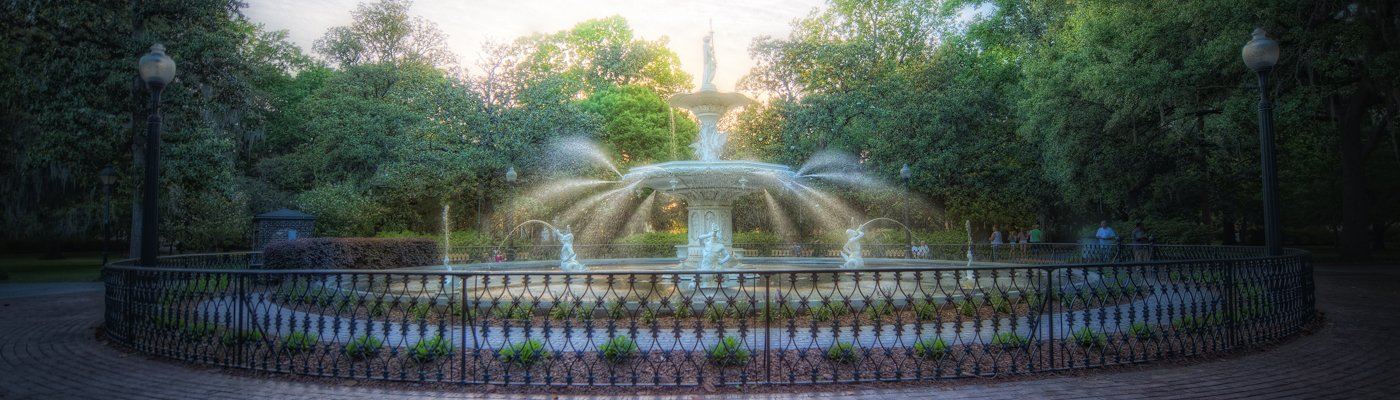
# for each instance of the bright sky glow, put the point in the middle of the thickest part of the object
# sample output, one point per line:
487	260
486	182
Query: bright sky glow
469	23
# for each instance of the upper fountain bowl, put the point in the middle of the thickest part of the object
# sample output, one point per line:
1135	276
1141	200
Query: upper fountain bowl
709	101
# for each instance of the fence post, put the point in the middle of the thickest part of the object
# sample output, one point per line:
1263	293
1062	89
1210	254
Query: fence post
239	306
1049	303
766	313
1232	308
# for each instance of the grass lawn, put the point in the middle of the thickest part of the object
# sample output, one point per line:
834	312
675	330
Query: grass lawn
28	268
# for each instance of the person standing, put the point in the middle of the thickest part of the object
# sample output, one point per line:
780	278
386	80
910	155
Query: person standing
1037	237
1141	251
1106	237
1023	240
996	241
923	249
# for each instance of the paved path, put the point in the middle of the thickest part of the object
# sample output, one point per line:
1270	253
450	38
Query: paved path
48	351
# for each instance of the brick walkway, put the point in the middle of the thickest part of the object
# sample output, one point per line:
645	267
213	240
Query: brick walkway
47	351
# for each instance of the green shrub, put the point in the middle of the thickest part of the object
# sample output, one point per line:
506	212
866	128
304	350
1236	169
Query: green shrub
1009	340
842	353
363	347
771	313
714	313
757	237
728	352
967	307
420	311
827	312
562	310
1034	301
617	349
234	338
741	309
617	310
931	349
926	310
654	238
194	331
1087	337
1142	330
297	342
683	311
524	355
649	315
1191	323
351	253
458	310
876	309
1000	304
513	310
430	349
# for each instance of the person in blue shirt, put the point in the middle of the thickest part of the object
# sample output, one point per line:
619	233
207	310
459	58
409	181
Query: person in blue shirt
1106	237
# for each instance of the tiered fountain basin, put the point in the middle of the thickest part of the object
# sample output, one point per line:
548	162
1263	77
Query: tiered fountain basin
709	189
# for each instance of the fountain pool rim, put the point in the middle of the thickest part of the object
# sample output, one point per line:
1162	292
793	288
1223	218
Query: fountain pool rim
752	265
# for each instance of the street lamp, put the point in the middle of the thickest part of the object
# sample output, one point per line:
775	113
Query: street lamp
510	251
157	70
908	236
1260	55
109	178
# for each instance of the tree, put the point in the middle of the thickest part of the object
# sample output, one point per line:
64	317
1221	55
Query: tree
602	53
384	33
636	127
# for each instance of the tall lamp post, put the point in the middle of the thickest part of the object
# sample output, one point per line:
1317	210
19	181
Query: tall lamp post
510	251
908	236
1260	54
109	178
157	70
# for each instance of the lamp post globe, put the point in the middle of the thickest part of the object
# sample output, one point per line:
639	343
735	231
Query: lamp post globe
109	178
908	235
157	70
1260	55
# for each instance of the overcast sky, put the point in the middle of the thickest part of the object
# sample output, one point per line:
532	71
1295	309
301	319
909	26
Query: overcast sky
469	23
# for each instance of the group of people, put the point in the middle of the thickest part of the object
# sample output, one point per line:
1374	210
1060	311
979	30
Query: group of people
1018	238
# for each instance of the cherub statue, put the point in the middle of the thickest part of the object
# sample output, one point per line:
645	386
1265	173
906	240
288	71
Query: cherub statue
568	259
851	251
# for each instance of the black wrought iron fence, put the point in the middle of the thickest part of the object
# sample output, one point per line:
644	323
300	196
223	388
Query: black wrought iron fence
733	327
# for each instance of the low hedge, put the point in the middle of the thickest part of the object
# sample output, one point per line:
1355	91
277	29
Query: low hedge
351	253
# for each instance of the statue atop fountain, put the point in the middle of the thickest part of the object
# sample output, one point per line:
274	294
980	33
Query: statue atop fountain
851	251
568	259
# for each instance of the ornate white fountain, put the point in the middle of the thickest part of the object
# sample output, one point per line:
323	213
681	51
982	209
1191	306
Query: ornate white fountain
710	186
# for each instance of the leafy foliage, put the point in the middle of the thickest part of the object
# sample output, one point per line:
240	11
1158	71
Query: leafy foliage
363	347
525	354
618	349
842	353
430	349
728	352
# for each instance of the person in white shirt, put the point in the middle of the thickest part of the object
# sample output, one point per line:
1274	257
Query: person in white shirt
1106	237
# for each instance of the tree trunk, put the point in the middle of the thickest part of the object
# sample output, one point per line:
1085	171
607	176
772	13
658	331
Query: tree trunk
1354	152
137	147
